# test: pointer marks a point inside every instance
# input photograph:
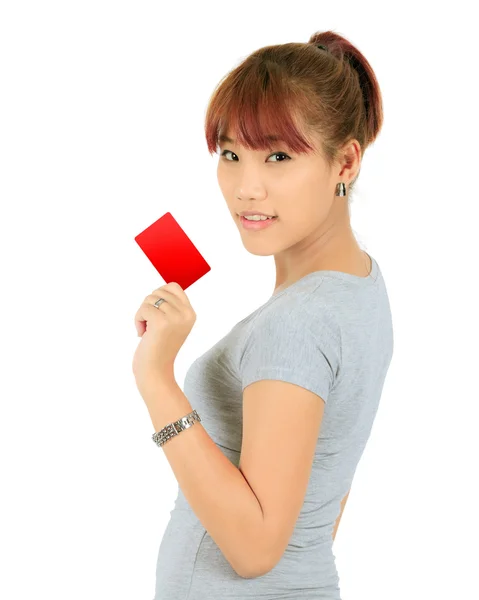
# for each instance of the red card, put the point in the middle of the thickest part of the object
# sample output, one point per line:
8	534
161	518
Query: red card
171	252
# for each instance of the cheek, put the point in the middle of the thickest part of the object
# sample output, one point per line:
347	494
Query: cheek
301	221
225	184
301	206
302	218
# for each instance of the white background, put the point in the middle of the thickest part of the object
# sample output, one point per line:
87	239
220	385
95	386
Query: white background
102	111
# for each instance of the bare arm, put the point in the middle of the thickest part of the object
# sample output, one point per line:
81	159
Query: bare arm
343	504
216	490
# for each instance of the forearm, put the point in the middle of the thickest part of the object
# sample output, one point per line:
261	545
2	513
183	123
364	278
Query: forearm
215	489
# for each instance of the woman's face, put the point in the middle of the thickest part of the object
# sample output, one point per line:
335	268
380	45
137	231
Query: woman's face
298	189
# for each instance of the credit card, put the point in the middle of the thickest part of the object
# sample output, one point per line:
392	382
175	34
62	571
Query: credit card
171	252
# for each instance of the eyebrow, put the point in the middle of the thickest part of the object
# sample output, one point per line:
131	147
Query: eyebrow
271	138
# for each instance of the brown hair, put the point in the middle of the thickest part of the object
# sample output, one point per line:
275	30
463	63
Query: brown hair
290	89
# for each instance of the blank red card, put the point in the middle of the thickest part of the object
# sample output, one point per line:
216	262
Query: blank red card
171	252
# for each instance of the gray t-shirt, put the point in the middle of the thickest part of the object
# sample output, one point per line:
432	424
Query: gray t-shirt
331	333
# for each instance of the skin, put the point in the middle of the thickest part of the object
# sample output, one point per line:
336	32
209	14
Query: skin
313	230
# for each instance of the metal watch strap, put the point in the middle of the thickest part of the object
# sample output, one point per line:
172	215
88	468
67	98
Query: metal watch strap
172	429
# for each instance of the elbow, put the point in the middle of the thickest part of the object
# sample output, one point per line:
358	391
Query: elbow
260	551
257	563
254	570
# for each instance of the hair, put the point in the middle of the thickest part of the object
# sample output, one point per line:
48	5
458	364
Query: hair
289	90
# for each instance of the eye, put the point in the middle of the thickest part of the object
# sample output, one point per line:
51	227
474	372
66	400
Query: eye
281	154
274	154
226	152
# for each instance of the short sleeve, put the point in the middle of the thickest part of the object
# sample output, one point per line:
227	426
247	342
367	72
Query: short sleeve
299	347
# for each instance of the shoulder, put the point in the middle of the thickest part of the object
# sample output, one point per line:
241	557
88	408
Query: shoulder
295	339
305	316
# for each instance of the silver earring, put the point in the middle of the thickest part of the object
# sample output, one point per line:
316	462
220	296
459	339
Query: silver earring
341	189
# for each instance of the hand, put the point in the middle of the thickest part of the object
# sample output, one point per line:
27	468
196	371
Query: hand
163	331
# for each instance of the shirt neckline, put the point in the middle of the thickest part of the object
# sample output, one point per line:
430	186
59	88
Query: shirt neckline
368	280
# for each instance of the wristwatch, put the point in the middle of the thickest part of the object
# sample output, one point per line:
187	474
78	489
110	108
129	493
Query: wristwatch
172	429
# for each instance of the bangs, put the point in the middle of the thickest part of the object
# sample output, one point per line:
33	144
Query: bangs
256	107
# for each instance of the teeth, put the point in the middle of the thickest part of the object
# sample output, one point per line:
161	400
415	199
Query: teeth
257	218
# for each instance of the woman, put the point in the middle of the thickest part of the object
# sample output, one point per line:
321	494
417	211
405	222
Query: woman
290	394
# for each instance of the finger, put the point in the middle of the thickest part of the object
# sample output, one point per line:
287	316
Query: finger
170	298
141	319
175	289
148	312
182	302
173	306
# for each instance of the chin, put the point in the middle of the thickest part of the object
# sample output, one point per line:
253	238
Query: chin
258	249
258	252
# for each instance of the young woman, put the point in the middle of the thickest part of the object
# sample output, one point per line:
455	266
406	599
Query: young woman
288	397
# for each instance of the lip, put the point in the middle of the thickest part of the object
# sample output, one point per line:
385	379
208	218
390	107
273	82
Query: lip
253	212
255	225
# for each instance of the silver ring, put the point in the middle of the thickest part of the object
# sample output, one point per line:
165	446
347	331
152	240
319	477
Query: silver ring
158	302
